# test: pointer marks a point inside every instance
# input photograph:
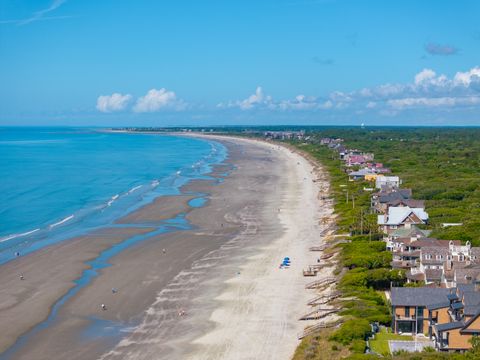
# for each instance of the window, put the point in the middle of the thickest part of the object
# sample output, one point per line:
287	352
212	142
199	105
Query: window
407	311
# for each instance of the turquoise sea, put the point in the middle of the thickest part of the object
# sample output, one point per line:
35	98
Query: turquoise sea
60	182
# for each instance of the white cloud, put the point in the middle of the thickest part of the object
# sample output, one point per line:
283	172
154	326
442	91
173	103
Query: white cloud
424	76
114	102
433	102
428	90
156	100
466	78
259	100
254	99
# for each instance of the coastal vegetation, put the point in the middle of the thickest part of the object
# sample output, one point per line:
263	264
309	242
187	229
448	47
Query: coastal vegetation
439	165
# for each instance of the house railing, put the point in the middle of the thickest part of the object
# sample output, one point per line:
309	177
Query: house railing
403	317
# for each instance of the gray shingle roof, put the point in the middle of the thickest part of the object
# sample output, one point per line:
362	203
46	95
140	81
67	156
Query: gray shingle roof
450	326
422	296
471	310
471	299
439	305
413	231
400	194
463	288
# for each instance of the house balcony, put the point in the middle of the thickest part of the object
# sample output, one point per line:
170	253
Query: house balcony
405	318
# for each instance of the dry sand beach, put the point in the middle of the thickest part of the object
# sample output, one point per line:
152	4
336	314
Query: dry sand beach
216	293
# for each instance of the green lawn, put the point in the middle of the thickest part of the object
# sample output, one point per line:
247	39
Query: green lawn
380	344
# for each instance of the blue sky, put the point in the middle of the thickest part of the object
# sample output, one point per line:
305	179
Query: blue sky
193	62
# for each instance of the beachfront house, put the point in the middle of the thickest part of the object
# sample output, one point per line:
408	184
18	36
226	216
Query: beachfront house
395	238
353	160
409	253
444	263
361	174
409	308
381	201
387	182
401	217
449	317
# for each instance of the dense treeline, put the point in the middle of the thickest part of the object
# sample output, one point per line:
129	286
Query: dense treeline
441	165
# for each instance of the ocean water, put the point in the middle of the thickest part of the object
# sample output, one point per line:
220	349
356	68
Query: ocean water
61	182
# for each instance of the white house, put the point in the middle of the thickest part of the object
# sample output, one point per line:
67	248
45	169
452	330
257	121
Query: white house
387	181
401	217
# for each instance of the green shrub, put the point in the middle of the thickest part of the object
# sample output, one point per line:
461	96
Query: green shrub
358	346
357	329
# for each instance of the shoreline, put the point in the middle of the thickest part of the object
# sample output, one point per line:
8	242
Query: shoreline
239	247
45	285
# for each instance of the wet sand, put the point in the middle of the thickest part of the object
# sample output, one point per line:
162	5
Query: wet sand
160	209
48	274
223	274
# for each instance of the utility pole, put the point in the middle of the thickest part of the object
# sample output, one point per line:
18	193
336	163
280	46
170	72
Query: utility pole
361	221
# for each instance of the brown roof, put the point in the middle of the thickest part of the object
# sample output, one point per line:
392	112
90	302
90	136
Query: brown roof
432	242
407	202
416	277
471	271
433	274
421	242
434	251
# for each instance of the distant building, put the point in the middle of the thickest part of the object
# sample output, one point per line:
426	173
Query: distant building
443	263
361	174
382	200
387	182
